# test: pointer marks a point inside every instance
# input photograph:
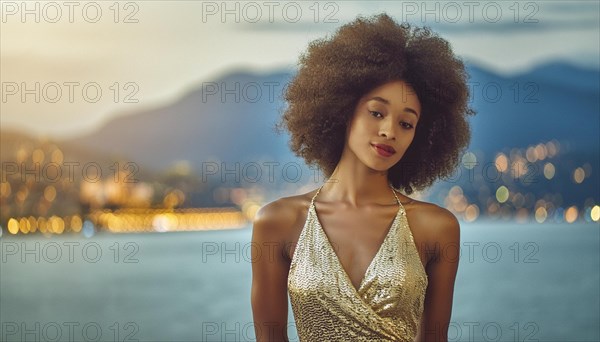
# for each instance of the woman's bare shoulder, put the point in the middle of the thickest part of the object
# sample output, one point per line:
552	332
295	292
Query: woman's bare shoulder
430	219
282	214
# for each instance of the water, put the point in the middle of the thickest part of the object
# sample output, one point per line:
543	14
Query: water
514	283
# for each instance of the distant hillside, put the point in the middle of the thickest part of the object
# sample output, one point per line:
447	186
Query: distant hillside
555	100
552	101
207	125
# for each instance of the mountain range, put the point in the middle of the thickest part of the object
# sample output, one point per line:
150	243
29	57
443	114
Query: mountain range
553	101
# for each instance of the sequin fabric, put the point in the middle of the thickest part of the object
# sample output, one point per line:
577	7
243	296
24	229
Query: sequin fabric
388	303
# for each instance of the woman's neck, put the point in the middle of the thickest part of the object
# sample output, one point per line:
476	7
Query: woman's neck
357	187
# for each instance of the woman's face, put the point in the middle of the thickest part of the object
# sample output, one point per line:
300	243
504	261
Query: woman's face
386	115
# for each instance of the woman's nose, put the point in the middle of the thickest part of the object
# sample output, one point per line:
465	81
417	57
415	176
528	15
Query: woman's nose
387	129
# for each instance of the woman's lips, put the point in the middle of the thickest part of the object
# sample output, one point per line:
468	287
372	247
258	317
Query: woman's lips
381	151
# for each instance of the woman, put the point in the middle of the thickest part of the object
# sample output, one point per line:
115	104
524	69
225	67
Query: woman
378	107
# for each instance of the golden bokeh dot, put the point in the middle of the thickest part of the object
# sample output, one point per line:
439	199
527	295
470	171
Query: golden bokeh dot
76	224
578	175
33	226
13	226
22	154
541	214
531	154
38	156
595	213
56	224
471	213
57	156
549	170
541	151
24	225
50	193
501	162
571	214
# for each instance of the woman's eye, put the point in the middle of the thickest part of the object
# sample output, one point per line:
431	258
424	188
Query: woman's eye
375	113
406	125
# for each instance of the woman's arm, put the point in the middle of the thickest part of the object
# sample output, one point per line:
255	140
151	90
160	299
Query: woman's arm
441	273
269	274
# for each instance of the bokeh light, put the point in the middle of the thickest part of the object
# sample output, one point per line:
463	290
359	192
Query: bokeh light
469	160
578	175
501	162
549	170
502	194
595	213
541	214
571	214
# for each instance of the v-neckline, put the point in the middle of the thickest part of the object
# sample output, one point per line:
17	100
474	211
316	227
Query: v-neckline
377	254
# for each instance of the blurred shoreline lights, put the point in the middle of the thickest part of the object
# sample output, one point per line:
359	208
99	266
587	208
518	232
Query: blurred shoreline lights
133	220
509	200
36	199
165	220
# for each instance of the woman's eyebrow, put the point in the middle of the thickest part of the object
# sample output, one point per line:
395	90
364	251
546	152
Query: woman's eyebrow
410	110
387	102
380	99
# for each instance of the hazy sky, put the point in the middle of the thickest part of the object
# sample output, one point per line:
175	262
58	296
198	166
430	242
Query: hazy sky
141	54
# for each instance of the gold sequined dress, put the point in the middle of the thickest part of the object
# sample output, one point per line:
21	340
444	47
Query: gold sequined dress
388	303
